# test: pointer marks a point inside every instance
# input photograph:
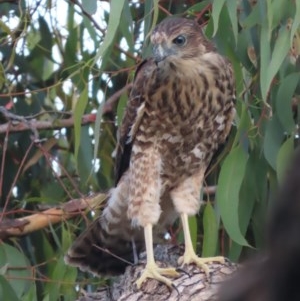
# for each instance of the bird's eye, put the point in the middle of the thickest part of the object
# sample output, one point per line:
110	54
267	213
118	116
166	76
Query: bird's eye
180	40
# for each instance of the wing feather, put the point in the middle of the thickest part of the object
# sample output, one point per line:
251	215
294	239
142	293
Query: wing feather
131	119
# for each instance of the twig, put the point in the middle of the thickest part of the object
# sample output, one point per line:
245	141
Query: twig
3	160
27	125
15	179
111	101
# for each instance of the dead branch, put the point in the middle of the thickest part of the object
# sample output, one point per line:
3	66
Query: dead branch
25	225
40	220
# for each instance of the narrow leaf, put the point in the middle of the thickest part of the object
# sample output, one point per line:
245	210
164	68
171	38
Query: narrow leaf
90	6
116	8
248	198
232	7
6	291
284	100
281	48
272	141
229	183
216	10
78	112
210	226
197	7
296	22
265	55
284	158
97	128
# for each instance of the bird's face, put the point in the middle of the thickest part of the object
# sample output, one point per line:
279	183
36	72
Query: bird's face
174	40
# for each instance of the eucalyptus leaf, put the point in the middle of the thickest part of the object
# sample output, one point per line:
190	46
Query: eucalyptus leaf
229	183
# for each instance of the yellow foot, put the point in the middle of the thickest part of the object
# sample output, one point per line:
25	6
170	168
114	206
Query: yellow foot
191	257
154	272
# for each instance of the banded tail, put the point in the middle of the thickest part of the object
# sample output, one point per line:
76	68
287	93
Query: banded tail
105	247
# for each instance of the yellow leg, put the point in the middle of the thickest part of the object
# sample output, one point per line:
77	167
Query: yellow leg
151	269
189	255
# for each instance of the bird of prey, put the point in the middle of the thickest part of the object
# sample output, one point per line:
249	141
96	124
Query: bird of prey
180	110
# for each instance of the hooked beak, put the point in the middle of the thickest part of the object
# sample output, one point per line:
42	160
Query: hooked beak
160	52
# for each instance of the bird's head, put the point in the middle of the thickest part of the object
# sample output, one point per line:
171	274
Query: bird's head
178	38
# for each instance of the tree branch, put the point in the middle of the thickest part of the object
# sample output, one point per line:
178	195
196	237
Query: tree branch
23	124
17	123
25	225
37	221
191	285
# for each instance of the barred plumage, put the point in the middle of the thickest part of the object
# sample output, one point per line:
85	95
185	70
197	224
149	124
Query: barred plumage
180	110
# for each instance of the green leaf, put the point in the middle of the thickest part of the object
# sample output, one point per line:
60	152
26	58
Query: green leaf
85	158
126	26
70	58
53	288
90	6
252	19
232	7
155	14
243	126
229	183
78	112
150	20
296	22
197	7
116	8
281	49
216	10
272	141
121	108
97	129
193	230
284	96
6	291
2	76
33	38
17	272
247	195
46	38
284	158
31	295
4	28
277	11
210	227
265	55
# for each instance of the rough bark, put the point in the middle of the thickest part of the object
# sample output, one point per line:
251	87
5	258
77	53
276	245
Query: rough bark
192	284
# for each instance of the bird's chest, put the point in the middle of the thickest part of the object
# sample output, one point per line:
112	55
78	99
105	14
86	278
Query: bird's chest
181	141
186	120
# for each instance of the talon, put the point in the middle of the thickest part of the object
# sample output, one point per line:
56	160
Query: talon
180	270
175	288
152	271
190	256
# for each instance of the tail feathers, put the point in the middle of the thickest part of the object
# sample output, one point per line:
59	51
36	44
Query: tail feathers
100	252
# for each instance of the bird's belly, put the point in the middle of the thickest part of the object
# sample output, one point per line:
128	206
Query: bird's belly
181	158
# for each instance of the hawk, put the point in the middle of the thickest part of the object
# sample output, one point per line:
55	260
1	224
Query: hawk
180	110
